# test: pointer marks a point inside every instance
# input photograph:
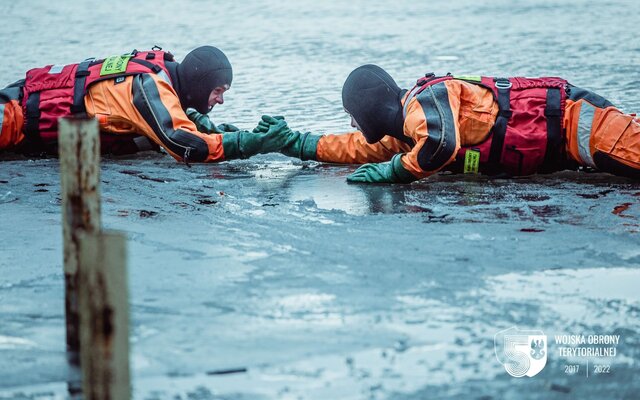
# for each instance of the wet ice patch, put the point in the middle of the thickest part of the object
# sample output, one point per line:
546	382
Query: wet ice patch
594	283
12	342
329	192
306	302
314	218
256	213
143	332
446	58
7	197
300	308
629	254
472	236
278	171
308	210
608	294
384	371
418	301
252	256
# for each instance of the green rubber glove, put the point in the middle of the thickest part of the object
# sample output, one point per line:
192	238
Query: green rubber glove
244	144
206	125
264	124
202	121
301	145
386	172
226	128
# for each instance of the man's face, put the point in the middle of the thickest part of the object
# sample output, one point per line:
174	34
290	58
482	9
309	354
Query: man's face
217	96
354	123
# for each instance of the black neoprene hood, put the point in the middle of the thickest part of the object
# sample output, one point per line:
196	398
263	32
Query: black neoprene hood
201	71
372	98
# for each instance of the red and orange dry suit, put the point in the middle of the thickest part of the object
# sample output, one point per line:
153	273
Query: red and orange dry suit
594	133
145	104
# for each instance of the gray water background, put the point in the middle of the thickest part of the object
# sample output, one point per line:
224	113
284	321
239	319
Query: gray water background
323	289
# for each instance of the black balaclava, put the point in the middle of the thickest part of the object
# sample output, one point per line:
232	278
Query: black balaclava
372	98
201	71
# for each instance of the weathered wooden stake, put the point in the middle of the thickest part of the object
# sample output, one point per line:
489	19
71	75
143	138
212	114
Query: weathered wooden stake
80	179
104	316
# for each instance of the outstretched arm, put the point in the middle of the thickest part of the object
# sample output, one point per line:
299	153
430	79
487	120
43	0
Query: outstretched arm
352	148
163	121
348	148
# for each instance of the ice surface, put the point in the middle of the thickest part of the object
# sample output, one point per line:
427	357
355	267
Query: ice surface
318	288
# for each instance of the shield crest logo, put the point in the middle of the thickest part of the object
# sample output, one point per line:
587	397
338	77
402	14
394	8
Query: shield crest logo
521	352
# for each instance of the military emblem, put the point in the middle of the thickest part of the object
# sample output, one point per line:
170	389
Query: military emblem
521	352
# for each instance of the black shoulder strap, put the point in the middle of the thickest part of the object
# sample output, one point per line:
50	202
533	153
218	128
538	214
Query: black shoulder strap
33	141
499	129
78	108
553	112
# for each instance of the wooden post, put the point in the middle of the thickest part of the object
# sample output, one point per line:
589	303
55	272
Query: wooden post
104	316
80	190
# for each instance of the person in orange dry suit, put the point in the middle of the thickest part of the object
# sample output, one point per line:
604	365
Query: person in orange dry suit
142	100
507	126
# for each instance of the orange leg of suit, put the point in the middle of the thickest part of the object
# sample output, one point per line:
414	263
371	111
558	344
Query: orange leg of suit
12	123
601	136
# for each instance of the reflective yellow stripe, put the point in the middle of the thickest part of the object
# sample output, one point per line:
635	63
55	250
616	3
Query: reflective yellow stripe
472	78
584	133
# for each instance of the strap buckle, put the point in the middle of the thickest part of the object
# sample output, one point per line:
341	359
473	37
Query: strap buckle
426	78
503	83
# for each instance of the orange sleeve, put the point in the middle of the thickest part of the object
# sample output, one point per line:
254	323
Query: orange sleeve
432	121
160	117
352	148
